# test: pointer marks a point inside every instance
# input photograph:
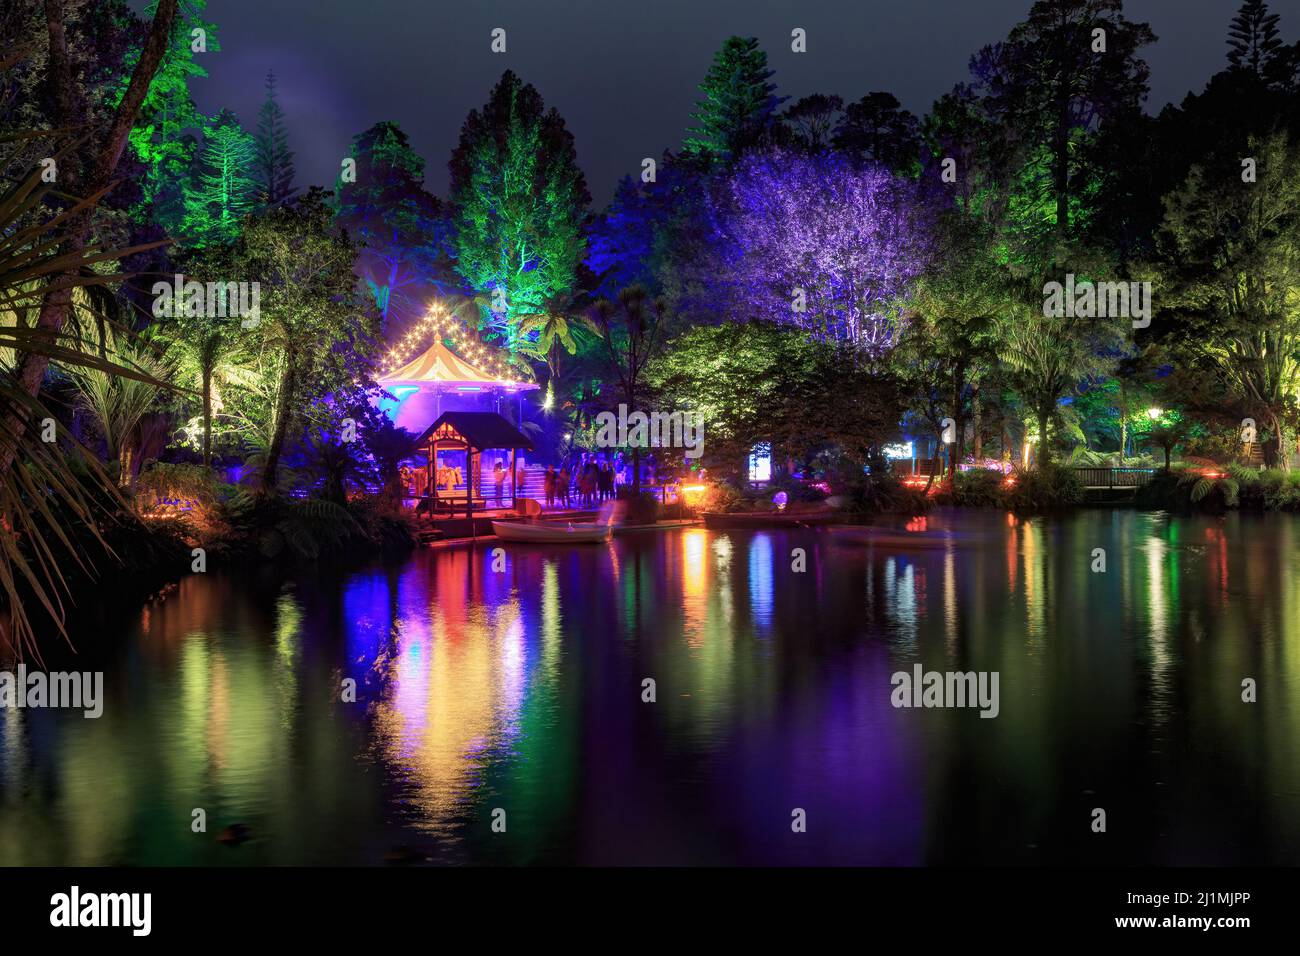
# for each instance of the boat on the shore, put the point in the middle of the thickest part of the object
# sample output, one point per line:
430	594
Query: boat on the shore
766	519
551	532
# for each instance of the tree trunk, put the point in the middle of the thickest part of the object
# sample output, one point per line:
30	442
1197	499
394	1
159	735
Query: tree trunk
1044	413
1123	420
976	410
57	301
1281	458
207	416
283	407
958	449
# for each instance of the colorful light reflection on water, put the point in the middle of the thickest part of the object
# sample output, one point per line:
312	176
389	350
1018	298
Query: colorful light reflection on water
521	690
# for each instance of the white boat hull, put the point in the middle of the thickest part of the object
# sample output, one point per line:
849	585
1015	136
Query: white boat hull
550	532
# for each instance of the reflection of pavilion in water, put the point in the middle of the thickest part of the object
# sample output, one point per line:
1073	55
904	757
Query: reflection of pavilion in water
456	685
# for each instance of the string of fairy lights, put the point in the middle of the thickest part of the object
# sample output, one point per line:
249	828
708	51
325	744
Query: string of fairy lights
441	323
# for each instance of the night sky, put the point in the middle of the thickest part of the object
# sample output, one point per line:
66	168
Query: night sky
622	74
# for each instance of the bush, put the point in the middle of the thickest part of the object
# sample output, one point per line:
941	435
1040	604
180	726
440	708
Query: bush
978	488
1048	487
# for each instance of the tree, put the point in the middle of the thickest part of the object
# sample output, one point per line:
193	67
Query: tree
755	382
1230	252
956	316
632	331
813	120
1049	356
225	190
209	350
1253	42
162	136
1051	85
877	129
738	104
814	240
274	158
117	403
519	200
554	325
89	176
315	330
401	227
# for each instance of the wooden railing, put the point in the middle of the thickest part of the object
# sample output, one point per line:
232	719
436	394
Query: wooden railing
1114	477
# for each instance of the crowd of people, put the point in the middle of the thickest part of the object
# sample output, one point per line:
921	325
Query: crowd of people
592	481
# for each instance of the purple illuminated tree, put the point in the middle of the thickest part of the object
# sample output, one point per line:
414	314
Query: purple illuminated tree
817	241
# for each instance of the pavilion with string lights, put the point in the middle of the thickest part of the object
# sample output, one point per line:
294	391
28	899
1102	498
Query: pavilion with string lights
467	376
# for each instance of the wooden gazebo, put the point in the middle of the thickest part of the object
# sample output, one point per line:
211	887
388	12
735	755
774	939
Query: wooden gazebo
470	434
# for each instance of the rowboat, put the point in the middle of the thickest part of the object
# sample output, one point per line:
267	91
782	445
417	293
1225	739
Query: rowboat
896	540
551	532
765	519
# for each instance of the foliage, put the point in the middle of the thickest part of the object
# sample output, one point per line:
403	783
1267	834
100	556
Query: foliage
737	105
1051	87
402	228
519	199
815	241
1231	280
316	331
271	144
1049	487
877	130
225	190
762	381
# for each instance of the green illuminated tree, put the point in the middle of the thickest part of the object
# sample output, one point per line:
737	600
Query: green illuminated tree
225	190
164	134
316	330
1231	280
520	201
1070	68
738	105
274	158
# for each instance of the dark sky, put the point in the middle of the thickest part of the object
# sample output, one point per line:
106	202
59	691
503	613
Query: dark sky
623	73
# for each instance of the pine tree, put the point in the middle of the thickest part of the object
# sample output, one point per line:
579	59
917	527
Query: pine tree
225	189
738	104
1253	38
274	158
520	200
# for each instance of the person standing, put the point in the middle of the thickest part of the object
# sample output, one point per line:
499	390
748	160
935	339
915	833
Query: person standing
548	486
499	477
562	485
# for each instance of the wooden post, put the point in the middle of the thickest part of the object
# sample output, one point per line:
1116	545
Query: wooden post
471	473
514	480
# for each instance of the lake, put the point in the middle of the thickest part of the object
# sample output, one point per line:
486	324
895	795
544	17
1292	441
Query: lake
500	712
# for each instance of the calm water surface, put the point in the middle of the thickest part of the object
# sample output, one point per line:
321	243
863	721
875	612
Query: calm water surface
522	691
